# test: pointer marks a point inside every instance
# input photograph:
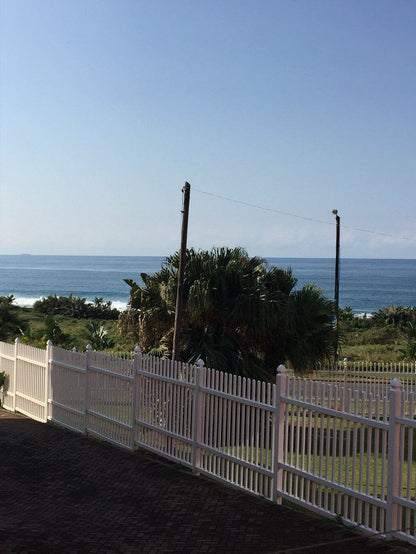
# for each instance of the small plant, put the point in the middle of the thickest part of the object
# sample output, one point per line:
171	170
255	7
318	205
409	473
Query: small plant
98	336
53	331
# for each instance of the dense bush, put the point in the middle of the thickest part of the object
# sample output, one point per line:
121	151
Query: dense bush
73	306
392	328
397	316
350	321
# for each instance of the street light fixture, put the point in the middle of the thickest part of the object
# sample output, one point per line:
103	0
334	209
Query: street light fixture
338	219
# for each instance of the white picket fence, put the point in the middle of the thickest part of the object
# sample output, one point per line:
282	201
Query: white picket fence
334	450
358	367
369	376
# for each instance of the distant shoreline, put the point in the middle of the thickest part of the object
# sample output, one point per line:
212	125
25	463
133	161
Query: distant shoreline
23	302
163	257
120	305
366	285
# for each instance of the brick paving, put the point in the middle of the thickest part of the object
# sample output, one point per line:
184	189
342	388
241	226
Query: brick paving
61	492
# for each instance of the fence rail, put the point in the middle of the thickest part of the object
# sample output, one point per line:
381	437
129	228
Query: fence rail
339	447
345	365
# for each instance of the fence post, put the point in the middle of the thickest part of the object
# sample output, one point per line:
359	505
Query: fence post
137	364
16	350
278	432
47	377
87	388
344	395
393	457
197	416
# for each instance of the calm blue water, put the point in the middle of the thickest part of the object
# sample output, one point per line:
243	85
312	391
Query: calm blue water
365	285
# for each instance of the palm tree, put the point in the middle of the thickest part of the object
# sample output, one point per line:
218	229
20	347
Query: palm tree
10	323
312	338
240	315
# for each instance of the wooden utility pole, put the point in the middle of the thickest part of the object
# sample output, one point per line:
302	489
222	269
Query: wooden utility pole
186	191
336	295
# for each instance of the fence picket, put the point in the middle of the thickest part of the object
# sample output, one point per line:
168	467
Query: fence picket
16	348
394	456
137	362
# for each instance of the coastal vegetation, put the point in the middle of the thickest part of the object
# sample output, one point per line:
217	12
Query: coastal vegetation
75	307
389	335
11	322
67	321
240	315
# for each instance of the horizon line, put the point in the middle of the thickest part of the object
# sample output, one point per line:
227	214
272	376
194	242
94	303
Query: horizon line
266	256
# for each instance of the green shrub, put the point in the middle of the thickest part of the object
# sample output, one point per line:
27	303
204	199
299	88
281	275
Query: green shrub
73	306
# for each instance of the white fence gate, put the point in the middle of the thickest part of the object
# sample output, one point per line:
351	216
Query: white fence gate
329	448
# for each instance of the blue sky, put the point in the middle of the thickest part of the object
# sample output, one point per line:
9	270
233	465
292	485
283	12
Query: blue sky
297	107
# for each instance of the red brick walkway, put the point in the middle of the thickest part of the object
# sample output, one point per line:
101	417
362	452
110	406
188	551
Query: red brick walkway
63	493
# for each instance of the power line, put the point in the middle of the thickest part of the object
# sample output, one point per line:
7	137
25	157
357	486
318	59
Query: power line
289	214
261	207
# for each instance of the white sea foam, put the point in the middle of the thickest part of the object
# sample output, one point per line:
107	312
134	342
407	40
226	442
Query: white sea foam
364	315
27	302
119	305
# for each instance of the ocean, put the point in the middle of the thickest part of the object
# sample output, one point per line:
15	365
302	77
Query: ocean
365	284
